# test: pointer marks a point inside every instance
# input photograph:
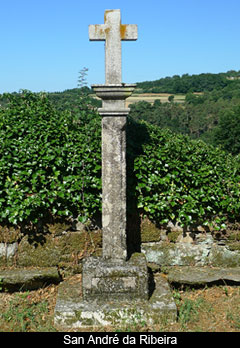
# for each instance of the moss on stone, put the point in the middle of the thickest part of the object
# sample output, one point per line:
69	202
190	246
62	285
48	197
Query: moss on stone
173	236
9	234
62	250
58	228
7	262
72	311
28	279
47	254
149	232
234	246
189	260
161	253
224	258
234	236
154	268
52	247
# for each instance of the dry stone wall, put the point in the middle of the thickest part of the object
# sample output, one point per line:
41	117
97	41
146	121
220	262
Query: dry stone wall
65	246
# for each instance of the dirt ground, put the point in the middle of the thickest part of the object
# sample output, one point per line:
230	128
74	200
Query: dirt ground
209	309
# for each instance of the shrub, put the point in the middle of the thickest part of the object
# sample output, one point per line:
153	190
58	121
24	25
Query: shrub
187	181
49	160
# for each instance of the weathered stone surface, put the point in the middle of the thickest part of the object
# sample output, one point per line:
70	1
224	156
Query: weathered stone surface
8	250
65	250
28	279
47	254
113	97
114	117
114	187
203	275
112	31
113	289
170	254
114	114
204	253
110	279
72	311
222	256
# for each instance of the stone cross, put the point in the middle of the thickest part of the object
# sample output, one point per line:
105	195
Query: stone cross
115	289
114	114
113	32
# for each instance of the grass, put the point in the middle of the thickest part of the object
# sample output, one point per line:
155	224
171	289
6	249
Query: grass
148	97
211	309
151	97
23	315
27	311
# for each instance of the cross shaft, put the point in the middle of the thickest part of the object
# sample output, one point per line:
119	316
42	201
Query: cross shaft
114	118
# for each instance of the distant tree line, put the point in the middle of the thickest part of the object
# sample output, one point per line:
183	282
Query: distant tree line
189	83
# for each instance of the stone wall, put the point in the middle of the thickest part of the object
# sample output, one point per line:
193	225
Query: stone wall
172	245
64	246
56	245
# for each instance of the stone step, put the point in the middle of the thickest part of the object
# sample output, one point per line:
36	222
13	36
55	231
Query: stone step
72	311
28	279
203	275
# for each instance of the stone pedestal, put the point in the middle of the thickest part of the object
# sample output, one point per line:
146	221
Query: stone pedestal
117	302
105	280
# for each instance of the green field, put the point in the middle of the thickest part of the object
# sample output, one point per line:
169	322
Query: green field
151	97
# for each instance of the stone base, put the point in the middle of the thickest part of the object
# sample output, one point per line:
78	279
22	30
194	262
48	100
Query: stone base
104	279
72	311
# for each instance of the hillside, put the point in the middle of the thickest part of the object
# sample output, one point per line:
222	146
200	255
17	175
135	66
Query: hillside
210	110
189	83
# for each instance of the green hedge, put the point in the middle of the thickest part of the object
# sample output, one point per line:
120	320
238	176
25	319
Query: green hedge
50	164
187	181
49	160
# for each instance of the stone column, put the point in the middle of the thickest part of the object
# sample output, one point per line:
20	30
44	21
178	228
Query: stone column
114	187
114	214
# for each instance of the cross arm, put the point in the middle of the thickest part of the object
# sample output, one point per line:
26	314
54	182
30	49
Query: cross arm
97	32
129	32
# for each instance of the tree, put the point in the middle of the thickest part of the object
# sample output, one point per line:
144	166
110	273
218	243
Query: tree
82	81
228	131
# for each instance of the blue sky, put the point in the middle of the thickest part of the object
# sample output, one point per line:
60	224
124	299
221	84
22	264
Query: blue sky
44	43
